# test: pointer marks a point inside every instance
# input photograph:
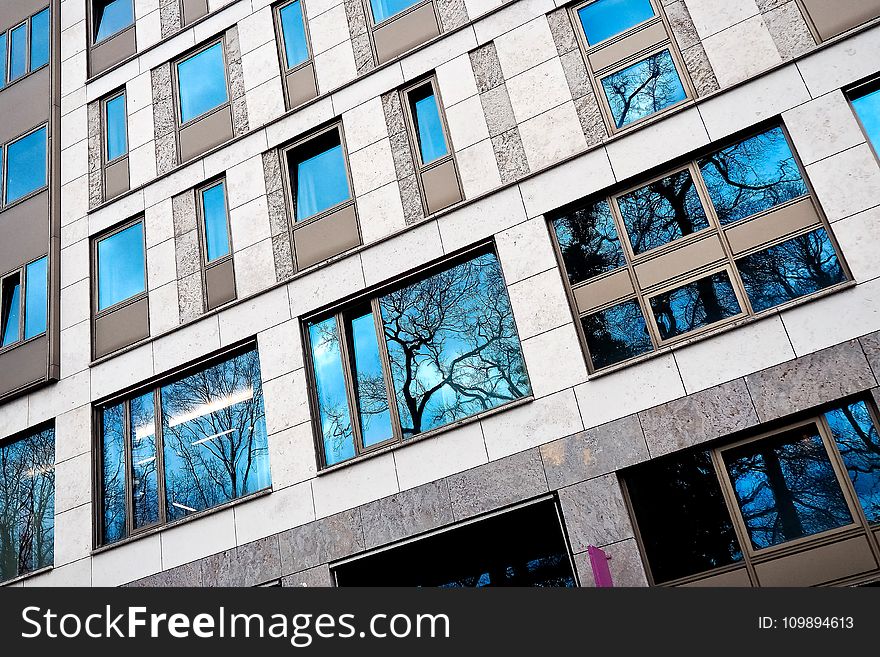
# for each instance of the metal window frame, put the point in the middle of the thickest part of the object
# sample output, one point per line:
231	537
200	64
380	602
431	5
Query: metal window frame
28	23
95	286
860	90
21	272
175	83
92	25
105	127
280	37
4	167
201	229
372	24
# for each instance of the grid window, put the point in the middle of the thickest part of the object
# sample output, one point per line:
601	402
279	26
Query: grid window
115	128
120	266
110	17
201	83
293	32
730	234
25	166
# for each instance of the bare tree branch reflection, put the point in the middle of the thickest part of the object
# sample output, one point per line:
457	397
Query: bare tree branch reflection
643	88
859	445
700	303
588	241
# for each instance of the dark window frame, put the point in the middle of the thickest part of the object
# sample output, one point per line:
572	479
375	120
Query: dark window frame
21	272
97	239
204	264
175	84
6	82
4	167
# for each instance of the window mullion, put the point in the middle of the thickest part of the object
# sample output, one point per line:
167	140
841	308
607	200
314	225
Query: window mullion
160	456
346	357
733	512
129	491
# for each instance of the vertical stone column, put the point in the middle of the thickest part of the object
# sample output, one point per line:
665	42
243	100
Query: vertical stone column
695	60
787	26
186	249
96	177
360	37
163	119
453	14
169	17
404	167
235	72
279	221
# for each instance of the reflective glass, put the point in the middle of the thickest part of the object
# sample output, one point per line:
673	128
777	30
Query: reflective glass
26	165
2	60
691	306
369	380
751	176
18	52
857	441
216	228
10	310
121	266
604	19
662	211
432	143
786	488
335	417
111	16
117	139
202	83
616	334
800	266
296	50
868	109
144	462
453	345
588	242
383	9
321	182
40	40
113	503
36	303
643	88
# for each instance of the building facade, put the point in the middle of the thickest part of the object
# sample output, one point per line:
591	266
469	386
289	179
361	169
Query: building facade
444	292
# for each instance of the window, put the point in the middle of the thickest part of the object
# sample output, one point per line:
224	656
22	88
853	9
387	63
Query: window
730	234
702	512
415	359
25	166
120	266
293	34
2	60
398	26
633	85
866	102
110	17
294	51
187	445
429	131
116	133
213	203
201	83
521	547
384	9
828	19
24	303
320	175
27	503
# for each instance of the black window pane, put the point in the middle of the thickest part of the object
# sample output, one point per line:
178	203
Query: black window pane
682	518
689	307
786	488
524	547
661	212
792	269
588	241
752	176
616	334
859	445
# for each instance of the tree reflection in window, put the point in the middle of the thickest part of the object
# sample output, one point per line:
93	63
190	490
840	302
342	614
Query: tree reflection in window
691	306
616	334
588	241
662	211
144	462
800	266
751	176
27	504
642	89
786	488
857	441
333	411
453	345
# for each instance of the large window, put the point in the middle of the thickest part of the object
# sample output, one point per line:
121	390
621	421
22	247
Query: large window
522	547
201	83
121	266
707	512
24	48
109	17
24	166
731	234
319	175
27	503
185	446
24	303
866	102
415	359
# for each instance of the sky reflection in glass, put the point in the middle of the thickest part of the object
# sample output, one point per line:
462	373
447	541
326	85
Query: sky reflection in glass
18	52
296	51
868	109
111	17
11	311
144	462
432	143
643	88
604	19
371	394
588	241
383	9
216	228
335	417
36	301
321	182
117	141
40	40
859	444
26	165
202	83
616	334
121	266
113	474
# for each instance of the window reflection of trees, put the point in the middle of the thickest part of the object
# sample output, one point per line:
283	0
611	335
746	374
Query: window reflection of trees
27	504
859	444
616	334
703	302
335	417
643	88
113	473
588	241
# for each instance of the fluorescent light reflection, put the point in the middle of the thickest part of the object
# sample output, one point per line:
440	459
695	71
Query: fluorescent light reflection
231	399
183	506
216	435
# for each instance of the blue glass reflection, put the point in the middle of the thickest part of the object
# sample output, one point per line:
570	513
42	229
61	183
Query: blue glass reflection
144	462
296	50
10	313
113	502
321	182
616	334
112	16
604	19
202	83
868	109
371	394
859	445
36	302
216	232
432	143
17	52
691	306
2	60
117	140
40	40
121	266
335	417
588	240
26	165
383	9
642	89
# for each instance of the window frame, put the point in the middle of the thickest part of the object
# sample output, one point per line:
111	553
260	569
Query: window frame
202	227
105	127
175	84
92	25
7	54
372	24
860	90
4	168
95	286
280	40
21	272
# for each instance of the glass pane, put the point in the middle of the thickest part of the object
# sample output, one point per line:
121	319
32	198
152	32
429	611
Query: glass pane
369	380
453	345
18	52
144	464
26	165
432	143
113	474
752	176
296	50
36	303
588	242
117	141
661	212
111	16
121	266
800	266
40	40
859	445
202	83
335	417
868	109
786	488
27	504
321	182
645	87
703	302
604	19
383	9
10	310
2	60
616	334
214	436
216	231
683	520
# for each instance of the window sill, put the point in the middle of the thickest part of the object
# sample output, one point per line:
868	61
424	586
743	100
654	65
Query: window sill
25	198
23	77
20	578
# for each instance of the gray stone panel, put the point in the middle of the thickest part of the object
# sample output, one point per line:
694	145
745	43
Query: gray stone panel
169	17
164	123
576	73
562	31
317	576
453	14
186	251
321	541
96	176
700	70
183	212
510	155
871	346
240	124
190	297
402	155
283	256
393	112
413	212
590	117
251	564
360	38
406	514
498	110
272	171
595	513
277	212
487	67
682	26
236	82
789	30
160	78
